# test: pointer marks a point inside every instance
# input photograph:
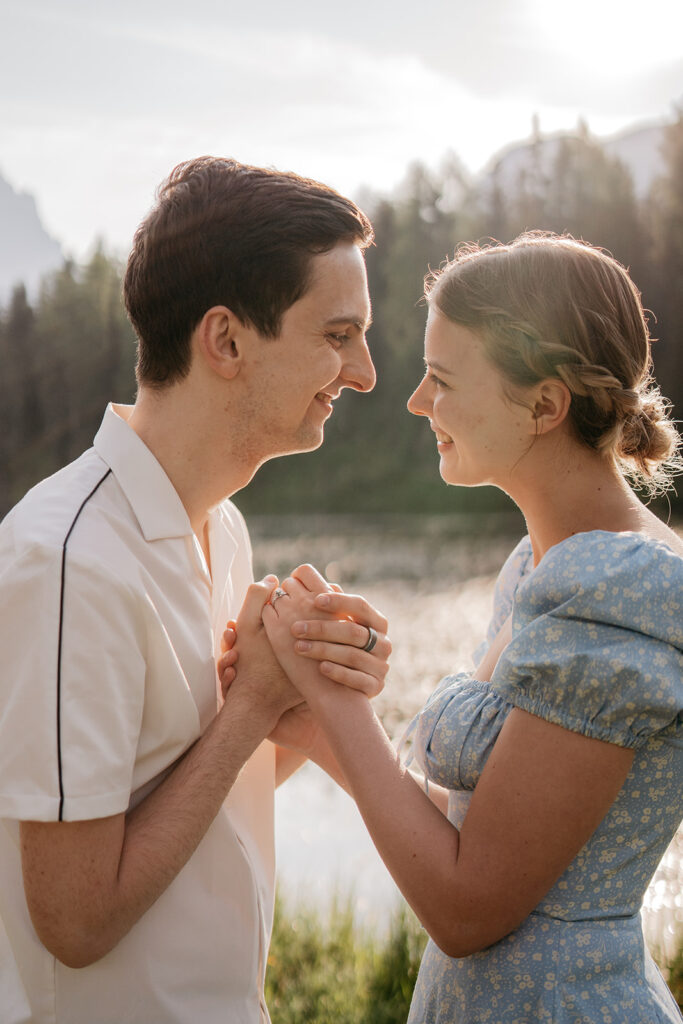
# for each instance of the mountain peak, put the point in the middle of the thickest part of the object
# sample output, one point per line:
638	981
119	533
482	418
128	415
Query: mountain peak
27	251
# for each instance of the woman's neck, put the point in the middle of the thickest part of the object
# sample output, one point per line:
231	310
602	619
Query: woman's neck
587	493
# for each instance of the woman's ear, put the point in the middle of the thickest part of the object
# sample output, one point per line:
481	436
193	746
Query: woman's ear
551	401
218	338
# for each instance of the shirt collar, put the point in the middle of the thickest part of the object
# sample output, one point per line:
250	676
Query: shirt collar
152	496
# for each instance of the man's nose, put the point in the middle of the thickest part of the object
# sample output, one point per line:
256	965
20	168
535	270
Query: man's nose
359	373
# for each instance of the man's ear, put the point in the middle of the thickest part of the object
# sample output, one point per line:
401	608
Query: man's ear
551	401
218	338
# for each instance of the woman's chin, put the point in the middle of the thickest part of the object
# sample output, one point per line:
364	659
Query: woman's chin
450	474
451	478
457	476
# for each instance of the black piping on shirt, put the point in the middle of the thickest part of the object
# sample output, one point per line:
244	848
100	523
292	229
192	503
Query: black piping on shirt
59	645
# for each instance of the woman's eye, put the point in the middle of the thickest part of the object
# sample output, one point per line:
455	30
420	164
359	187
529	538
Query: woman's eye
436	381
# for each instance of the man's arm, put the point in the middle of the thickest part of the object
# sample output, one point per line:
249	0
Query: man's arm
88	882
542	793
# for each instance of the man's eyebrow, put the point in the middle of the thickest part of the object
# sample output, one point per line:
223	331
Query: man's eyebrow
361	323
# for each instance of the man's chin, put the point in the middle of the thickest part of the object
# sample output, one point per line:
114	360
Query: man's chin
310	443
307	442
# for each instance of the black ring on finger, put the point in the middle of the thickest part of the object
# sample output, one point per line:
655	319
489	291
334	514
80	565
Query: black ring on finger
372	639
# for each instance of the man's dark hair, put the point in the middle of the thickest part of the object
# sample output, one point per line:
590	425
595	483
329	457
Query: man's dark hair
224	233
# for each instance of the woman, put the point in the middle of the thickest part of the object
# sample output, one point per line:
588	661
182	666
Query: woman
557	767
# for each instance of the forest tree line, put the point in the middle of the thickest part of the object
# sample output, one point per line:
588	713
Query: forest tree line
69	352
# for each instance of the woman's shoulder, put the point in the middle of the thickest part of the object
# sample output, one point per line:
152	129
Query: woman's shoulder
628	580
597	550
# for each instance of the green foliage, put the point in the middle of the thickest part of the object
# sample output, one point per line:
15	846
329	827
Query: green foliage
672	971
72	351
62	361
664	293
329	972
394	971
674	977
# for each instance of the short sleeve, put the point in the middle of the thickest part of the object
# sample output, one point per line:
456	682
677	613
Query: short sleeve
456	731
593	650
72	688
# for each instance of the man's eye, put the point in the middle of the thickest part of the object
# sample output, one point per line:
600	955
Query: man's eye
338	339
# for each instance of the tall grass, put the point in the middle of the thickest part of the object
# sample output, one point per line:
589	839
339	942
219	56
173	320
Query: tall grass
327	970
672	970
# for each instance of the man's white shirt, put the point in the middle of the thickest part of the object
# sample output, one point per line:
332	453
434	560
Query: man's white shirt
110	626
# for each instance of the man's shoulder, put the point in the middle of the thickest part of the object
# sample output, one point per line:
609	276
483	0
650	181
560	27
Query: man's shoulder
45	516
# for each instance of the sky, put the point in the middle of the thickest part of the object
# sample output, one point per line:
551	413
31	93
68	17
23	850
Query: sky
99	101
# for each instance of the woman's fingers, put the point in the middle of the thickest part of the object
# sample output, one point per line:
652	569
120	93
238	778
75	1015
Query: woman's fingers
227	659
376	663
227	679
226	669
354	607
229	636
341	631
311	578
355	680
291	595
357	668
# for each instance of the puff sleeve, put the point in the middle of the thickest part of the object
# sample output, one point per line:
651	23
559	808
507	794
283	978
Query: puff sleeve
456	731
598	639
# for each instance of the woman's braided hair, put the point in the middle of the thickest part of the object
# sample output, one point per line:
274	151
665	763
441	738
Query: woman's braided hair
551	306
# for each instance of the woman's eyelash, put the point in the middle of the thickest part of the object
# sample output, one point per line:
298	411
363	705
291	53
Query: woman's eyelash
433	379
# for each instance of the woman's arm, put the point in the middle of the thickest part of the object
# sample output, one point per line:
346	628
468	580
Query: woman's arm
541	795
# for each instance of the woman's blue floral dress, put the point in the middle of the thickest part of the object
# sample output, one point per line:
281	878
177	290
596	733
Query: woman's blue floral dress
597	648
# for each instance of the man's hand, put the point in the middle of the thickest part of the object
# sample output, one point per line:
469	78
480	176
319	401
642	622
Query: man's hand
332	629
250	665
297	729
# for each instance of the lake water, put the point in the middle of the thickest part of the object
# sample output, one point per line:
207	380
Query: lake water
433	579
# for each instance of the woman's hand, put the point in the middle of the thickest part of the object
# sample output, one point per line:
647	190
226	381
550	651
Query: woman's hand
227	663
315	630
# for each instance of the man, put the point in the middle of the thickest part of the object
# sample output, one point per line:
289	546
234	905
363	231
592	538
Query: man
147	895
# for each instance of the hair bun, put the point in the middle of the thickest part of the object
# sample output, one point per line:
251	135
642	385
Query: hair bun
648	438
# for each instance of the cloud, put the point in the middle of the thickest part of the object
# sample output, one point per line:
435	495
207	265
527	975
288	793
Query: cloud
97	103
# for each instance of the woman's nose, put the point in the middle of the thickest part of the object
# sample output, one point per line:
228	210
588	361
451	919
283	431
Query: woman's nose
419	403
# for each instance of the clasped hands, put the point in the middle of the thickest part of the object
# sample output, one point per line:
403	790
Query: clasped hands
312	632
